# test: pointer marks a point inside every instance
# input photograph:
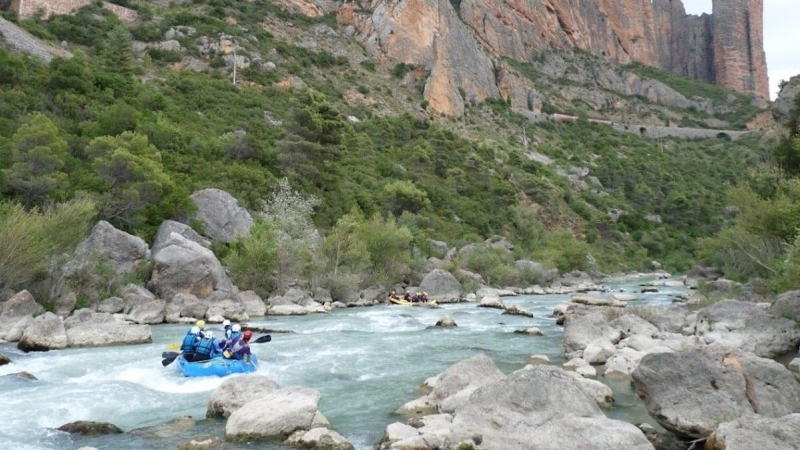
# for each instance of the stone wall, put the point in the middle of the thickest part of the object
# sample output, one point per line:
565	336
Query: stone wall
27	8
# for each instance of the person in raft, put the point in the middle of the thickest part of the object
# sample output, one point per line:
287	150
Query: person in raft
190	341
207	348
241	347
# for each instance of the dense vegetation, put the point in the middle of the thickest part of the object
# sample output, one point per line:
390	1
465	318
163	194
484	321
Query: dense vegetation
134	139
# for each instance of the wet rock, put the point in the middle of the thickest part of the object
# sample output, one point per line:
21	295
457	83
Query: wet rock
46	332
533	331
278	414
446	322
319	438
201	443
515	310
222	217
597	300
88	428
170	429
21	375
4	360
536	360
233	393
491	301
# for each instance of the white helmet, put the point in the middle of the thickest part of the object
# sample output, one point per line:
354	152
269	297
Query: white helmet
237	328
195	330
209	335
226	322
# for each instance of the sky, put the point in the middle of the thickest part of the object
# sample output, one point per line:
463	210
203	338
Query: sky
781	37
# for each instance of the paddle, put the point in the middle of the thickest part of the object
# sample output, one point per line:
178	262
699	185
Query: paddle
263	339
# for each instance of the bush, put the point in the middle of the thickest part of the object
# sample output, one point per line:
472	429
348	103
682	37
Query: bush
252	260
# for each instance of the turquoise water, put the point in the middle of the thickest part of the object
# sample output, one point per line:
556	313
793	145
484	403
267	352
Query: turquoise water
366	362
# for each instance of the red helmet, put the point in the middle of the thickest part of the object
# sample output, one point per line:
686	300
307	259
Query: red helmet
247	335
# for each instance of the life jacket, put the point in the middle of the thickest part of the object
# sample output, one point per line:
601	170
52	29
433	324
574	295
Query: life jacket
205	347
228	331
189	342
238	348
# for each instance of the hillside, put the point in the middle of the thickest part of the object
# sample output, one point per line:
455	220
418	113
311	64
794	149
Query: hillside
146	112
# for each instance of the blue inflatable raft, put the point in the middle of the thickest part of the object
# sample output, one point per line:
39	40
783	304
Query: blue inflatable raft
218	367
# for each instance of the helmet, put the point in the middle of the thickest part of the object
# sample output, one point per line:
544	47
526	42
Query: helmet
195	330
247	335
209	335
237	328
425	293
201	324
226	322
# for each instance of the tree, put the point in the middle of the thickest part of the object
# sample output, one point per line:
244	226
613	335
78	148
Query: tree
404	196
38	151
253	258
289	214
133	174
117	51
389	247
345	256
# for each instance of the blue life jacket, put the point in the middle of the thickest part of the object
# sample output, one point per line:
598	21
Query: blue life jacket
235	336
205	347
189	342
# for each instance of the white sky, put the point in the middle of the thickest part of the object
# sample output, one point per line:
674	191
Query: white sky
781	37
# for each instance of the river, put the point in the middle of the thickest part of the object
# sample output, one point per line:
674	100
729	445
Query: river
366	362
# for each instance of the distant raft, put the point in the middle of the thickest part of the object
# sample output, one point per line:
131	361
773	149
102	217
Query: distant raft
404	302
216	367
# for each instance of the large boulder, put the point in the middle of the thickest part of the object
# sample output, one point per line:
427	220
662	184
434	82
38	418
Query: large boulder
188	305
89	329
545	402
293	302
756	432
787	305
690	392
630	325
184	266
148	311
441	286
236	392
277	414
253	303
737	325
225	305
222	218
170	226
111	305
18	312
583	327
46	332
108	247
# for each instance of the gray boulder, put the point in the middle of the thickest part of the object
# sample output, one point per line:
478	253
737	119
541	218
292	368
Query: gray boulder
89	329
222	217
148	311
446	322
689	392
111	305
18	312
741	325
441	286
583	327
45	332
294	302
184	266
319	438
123	251
4	360
170	226
236	392
189	306
545	402
515	310
253	304
536	271
88	428
787	305
277	414
757	432
629	325
223	305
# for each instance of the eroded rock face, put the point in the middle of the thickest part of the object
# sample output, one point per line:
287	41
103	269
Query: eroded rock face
782	107
690	392
224	220
428	34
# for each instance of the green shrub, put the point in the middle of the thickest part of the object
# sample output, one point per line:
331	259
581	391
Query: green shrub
253	259
165	56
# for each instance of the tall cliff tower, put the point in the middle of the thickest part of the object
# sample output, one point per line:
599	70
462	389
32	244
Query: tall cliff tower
739	59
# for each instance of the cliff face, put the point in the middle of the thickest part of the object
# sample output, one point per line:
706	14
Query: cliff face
725	48
739	59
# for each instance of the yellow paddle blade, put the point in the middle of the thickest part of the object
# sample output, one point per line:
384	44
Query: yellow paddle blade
174	346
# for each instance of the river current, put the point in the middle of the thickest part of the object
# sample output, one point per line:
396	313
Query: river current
366	362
